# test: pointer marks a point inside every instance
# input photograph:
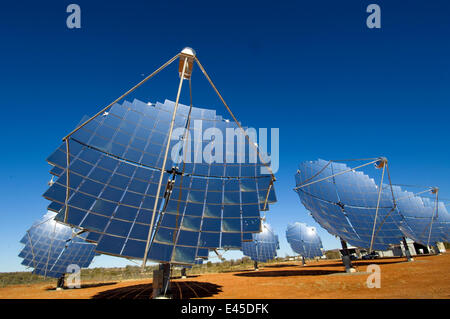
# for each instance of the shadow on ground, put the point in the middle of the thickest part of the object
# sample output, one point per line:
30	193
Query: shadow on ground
179	290
359	263
84	286
286	273
280	266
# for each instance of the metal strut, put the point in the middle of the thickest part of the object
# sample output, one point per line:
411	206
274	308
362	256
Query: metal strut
49	250
66	211
155	206
267	197
32	249
219	255
435	190
393	201
185	139
337	174
380	188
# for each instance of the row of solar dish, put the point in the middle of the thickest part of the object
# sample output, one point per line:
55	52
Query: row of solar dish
302	239
346	206
50	247
114	173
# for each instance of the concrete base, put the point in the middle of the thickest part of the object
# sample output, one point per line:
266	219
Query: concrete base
59	289
183	277
351	270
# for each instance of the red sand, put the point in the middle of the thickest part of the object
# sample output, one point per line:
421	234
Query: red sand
426	277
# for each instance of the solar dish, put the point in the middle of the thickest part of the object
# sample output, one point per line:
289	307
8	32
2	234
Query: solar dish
349	204
51	247
264	245
157	181
114	172
304	240
426	220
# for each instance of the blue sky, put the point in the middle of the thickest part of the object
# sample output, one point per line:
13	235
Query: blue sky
335	88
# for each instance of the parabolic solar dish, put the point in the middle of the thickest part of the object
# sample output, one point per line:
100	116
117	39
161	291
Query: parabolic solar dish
115	166
426	221
51	247
346	204
304	240
264	245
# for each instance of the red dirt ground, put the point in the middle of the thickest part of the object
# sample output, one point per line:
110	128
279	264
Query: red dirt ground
426	277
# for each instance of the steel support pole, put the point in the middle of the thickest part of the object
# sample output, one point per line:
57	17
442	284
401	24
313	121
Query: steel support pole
346	258
161	281
155	206
60	282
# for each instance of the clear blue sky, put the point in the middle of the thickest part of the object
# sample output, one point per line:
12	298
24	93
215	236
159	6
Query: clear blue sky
335	88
